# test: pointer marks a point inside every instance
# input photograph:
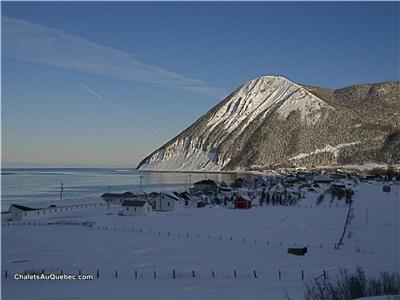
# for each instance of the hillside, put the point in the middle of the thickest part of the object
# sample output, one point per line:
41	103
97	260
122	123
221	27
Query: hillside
271	122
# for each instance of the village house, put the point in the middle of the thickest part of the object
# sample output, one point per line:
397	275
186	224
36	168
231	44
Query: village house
189	201
135	208
117	198
206	186
37	210
165	201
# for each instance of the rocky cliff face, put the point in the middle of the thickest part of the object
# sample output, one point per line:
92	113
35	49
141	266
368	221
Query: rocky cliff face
271	122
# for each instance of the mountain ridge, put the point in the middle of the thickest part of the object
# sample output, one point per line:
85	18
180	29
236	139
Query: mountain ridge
271	122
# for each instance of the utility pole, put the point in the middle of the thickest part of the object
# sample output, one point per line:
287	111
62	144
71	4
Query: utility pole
141	178
61	190
109	188
190	182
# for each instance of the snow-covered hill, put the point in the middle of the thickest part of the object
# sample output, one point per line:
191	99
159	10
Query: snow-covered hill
271	121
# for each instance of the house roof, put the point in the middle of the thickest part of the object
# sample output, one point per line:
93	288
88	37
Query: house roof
57	203
243	198
206	181
134	203
185	195
173	196
118	195
24	208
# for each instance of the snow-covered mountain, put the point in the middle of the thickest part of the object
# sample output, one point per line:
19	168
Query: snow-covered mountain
271	122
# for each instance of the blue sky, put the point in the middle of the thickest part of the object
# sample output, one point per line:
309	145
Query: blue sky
104	84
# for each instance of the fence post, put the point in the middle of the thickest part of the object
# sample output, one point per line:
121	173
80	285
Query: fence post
159	232
136	274
198	235
279	274
62	272
154	274
25	272
80	273
255	274
187	235
5	274
173	274
267	242
116	273
220	238
213	274
324	274
302	275
193	273
97	274
231	238
234	273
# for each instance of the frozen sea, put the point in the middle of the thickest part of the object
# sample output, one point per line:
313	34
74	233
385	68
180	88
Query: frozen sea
29	185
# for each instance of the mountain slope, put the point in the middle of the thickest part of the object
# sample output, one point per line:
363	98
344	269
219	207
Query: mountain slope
271	122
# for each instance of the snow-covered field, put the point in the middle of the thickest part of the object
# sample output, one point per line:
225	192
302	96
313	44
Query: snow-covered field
203	240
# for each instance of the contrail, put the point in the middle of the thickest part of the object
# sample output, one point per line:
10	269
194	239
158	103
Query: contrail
109	102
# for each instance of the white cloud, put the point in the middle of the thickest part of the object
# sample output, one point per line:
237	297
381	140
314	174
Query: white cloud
40	44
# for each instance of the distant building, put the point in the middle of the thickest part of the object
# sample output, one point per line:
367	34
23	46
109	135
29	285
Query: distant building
322	178
135	208
37	210
116	198
238	183
206	186
165	201
242	202
189	201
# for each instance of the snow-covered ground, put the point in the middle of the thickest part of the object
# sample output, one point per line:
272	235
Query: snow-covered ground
203	240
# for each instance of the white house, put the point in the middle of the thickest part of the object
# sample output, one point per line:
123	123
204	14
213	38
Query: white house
135	208
166	201
189	201
37	210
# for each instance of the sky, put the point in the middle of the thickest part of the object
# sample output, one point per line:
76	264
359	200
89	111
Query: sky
97	84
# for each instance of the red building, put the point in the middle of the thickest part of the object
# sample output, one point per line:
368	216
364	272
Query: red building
242	202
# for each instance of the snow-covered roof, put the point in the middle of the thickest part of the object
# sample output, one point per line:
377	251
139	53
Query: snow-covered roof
118	195
56	203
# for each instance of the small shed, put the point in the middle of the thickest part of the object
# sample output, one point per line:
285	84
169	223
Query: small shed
242	202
